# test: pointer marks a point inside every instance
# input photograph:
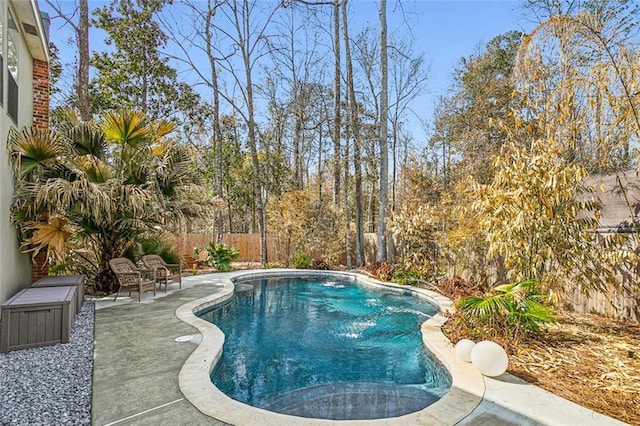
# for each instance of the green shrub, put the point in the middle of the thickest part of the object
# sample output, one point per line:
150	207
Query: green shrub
301	260
221	255
154	245
516	308
405	276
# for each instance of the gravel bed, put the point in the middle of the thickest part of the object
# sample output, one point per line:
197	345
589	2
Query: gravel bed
50	385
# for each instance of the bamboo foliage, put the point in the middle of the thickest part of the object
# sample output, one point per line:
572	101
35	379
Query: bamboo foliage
580	76
461	238
439	232
540	218
513	191
290	221
417	229
305	226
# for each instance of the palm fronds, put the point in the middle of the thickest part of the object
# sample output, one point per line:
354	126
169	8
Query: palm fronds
32	149
51	236
109	196
85	139
161	128
126	127
516	305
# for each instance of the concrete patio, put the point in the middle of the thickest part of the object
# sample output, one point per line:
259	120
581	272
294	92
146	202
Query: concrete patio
137	364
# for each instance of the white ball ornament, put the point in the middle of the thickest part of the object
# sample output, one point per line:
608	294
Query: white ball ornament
489	358
463	349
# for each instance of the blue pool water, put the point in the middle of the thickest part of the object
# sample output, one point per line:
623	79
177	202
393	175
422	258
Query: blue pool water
326	348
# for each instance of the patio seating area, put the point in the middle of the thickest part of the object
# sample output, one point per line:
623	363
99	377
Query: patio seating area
132	278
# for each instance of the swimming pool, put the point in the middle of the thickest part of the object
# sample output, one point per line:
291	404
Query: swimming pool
326	348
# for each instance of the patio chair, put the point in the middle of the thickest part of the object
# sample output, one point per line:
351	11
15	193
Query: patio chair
201	260
163	272
132	278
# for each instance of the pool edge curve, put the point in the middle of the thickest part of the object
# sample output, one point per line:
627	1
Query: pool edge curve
467	384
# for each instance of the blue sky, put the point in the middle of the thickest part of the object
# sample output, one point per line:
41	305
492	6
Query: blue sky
444	30
448	30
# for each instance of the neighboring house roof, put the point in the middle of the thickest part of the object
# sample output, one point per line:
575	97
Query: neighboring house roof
620	197
28	14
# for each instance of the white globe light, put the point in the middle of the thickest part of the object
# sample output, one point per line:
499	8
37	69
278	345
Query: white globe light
463	349
489	358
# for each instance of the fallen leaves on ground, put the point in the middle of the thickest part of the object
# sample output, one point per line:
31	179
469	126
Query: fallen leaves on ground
588	359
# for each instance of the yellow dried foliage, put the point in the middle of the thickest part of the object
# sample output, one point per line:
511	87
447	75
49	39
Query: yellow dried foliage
535	222
579	77
302	223
438	231
463	240
51	236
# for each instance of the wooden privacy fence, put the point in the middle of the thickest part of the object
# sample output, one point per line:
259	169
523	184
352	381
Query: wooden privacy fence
612	303
247	244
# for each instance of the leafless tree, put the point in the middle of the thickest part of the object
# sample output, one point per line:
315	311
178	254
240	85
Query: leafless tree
381	253
81	29
354	125
408	78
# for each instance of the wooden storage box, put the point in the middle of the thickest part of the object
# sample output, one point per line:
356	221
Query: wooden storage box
38	317
65	280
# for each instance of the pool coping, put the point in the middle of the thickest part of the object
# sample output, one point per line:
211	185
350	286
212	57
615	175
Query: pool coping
467	384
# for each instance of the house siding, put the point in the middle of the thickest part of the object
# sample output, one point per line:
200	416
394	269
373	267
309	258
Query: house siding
32	110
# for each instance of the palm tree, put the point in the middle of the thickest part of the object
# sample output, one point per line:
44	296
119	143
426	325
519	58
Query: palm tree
101	186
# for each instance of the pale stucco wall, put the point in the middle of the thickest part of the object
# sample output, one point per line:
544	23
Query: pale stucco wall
15	268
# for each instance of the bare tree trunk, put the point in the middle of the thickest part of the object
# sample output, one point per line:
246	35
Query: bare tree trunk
252	139
394	160
298	120
371	208
83	62
230	216
217	140
145	90
297	156
320	166
347	157
347	212
336	103
359	209
82	42
381	254
355	131
217	133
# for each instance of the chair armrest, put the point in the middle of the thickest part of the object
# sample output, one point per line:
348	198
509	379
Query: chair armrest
161	269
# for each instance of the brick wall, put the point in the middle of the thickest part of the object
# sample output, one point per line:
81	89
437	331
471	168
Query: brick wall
40	94
40	265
